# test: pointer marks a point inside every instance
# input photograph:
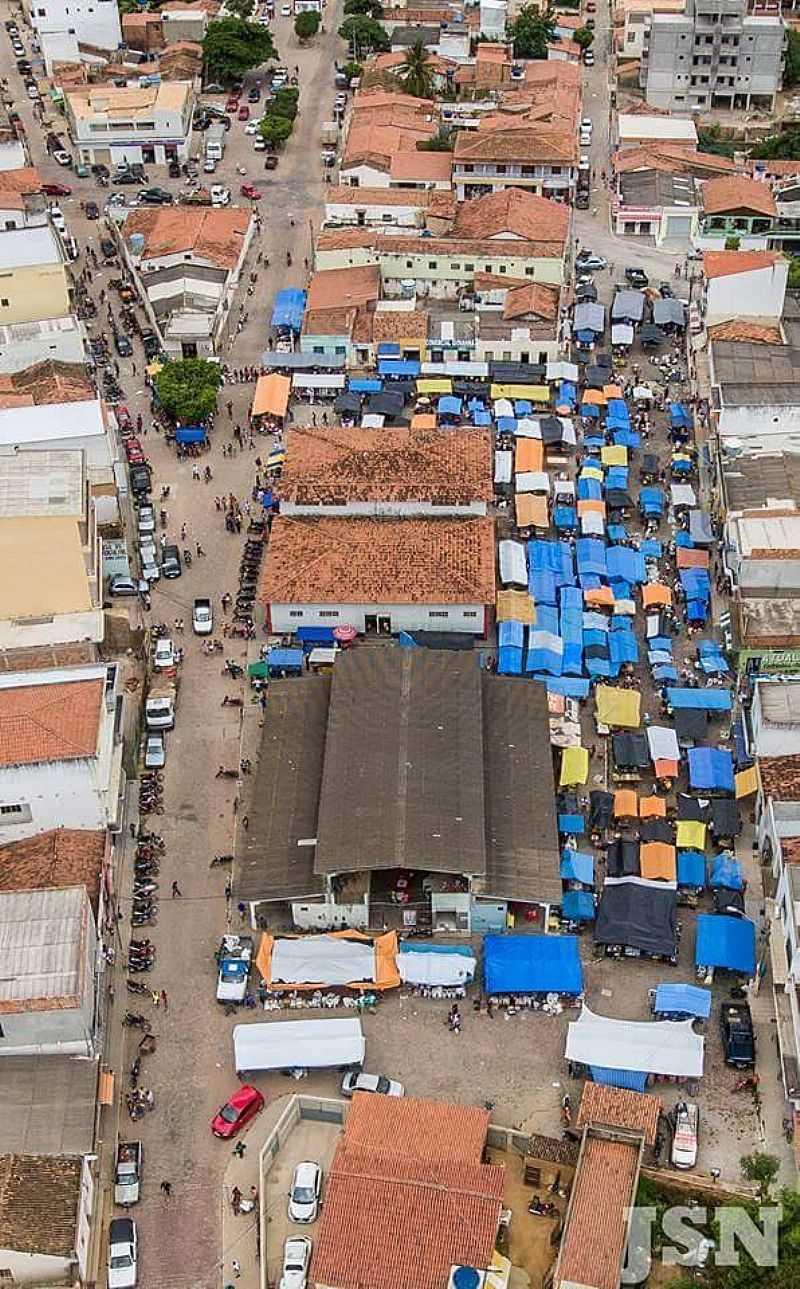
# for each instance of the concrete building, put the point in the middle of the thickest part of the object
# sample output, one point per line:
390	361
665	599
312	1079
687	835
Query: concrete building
48	965
183	24
26	344
649	203
756	395
715	55
744	284
186	264
540	160
635	18
90	22
33	276
46	1206
149	125
638	129
54	406
733	206
60	750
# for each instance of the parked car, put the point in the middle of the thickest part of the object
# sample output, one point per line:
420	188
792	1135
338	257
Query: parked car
254	94
155	753
101	171
92	210
220	196
243	1106
209	166
123	345
202	617
156	196
304	1192
122	1254
121	585
163	654
126	178
685	1121
582	200
587	261
588	58
171	562
63	158
57	215
244	113
147	520
738	1035
259	144
297	1249
56	190
250	190
636	277
108	247
354	1082
232	104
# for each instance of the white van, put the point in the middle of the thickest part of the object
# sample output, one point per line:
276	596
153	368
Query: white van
686	1122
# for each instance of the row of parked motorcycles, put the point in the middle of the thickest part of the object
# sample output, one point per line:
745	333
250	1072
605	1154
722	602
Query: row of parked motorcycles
248	580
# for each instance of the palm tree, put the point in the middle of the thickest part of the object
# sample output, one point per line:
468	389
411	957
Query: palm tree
416	74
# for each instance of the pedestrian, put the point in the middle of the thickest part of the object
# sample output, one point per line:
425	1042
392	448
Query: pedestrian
237	1269
239	1149
184	530
199	549
236	1201
195	471
176	625
164	1000
176	891
218	500
254	1194
155	996
166	1189
133	368
245	822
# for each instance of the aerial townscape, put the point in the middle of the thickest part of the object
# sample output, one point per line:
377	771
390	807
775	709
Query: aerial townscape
400	644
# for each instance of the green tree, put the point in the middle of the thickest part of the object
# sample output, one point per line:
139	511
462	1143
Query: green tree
284	103
372	8
746	1275
791	70
532	31
584	37
352	71
306	25
241	8
761	1169
232	47
276	129
794	274
732	243
364	34
442	141
416	72
187	389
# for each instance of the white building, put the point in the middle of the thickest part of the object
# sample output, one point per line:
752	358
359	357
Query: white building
79	425
149	124
90	22
744	284
26	343
48	965
60	751
634	130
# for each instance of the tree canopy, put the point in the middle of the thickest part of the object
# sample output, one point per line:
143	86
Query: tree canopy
372	8
276	129
584	37
306	25
786	1275
791	71
532	31
187	389
232	47
241	8
363	33
416	73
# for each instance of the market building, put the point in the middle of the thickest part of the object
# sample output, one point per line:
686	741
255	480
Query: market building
149	125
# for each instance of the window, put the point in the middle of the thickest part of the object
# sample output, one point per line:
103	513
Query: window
10	224
500	170
470	613
20	813
295	613
469	268
455	266
438	613
468	170
329	613
432	264
4	303
409	264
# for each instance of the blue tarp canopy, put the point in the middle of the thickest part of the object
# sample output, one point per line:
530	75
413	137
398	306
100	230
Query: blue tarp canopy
680	416
511	633
190	434
688	1000
316	635
711	658
710	769
691	868
448	405
571	687
651	501
626	564
650	548
728	942
578	906
509	660
707	700
288	309
364	385
481	417
526	964
398	367
726	871
284	659
572	824
577	867
632	1080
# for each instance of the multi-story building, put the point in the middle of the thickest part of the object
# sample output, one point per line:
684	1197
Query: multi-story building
90	22
715	55
543	161
148	124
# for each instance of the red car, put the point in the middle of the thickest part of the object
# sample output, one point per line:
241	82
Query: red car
250	190
134	451
243	1106
232	103
124	418
56	190
244	113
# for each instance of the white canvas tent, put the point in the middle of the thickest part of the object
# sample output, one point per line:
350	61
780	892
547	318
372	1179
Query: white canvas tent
655	1047
298	1044
325	959
420	968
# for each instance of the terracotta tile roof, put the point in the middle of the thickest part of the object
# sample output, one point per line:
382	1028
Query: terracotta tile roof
361	333
507	249
46	383
341	465
407	1196
372	561
755	333
39	1197
56	722
732	193
342	239
595	1233
421	165
534	298
349	196
780	777
526	215
780	169
554	1149
672	158
24	181
213	235
619	1108
487	281
371	142
59	857
487	53
562	46
340	288
790	850
399	324
725	263
521	144
329	322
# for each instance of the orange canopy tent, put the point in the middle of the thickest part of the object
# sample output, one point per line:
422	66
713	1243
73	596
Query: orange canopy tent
666	769
652	807
423	421
686	557
594	397
589	507
657	861
386	973
612	391
529	455
655	593
600	595
271	397
531	510
626	804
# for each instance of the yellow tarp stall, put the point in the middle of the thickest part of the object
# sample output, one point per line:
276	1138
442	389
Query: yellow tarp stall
618	707
574	766
592	472
746	782
654	593
386	973
531	393
435	385
652	807
423	421
614	454
657	861
531	511
271	397
626	804
515	606
528	455
691	834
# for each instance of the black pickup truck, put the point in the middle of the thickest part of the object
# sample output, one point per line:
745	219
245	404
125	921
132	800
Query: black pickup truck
738	1036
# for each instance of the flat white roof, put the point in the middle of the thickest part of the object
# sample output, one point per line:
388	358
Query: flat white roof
51	422
42	946
773	533
655	127
26	247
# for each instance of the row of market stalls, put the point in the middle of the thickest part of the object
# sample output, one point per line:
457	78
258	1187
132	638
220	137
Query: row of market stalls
355	961
647	316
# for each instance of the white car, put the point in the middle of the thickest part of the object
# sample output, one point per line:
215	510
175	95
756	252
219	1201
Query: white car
147	521
355	1082
296	1257
122	1254
305	1192
155	752
63	158
209	166
164	655
57	216
586	124
33	91
252	127
259	144
686	1123
202	618
220	196
286	11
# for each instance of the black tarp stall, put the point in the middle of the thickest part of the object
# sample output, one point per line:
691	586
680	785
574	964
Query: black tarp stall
726	820
630	751
691	725
638	913
622	858
693	808
657	830
601	809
